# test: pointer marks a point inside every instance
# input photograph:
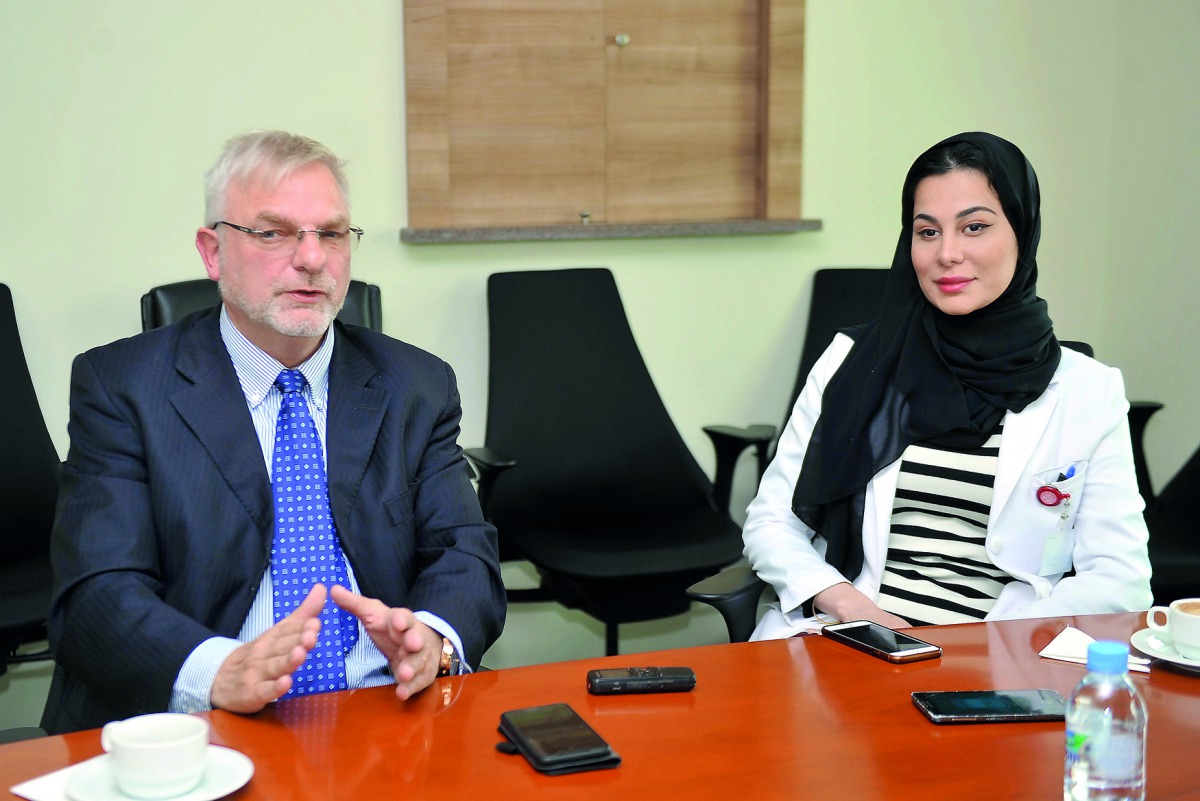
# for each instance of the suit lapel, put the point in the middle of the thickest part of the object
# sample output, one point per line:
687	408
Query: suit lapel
355	415
215	409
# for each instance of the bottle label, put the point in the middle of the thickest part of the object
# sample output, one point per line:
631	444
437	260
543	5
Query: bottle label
1113	755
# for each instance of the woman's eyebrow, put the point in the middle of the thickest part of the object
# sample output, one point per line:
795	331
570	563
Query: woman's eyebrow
959	216
972	210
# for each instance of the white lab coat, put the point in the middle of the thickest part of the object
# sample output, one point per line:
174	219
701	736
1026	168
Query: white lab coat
1080	420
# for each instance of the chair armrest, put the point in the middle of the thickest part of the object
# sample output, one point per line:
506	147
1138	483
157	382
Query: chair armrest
489	459
488	465
729	442
735	593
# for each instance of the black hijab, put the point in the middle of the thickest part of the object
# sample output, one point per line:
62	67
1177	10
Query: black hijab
920	375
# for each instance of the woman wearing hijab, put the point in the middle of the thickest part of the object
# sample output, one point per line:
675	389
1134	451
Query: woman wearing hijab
950	462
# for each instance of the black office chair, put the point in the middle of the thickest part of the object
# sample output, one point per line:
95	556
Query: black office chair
1175	536
28	491
584	473
170	303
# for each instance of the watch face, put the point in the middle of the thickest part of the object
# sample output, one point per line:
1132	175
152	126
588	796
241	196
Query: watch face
449	661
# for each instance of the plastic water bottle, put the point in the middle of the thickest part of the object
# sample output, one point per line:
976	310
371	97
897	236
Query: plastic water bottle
1106	731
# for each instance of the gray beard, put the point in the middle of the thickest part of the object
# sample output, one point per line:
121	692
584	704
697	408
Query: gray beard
266	314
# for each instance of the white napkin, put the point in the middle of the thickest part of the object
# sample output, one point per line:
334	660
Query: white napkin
51	787
1071	645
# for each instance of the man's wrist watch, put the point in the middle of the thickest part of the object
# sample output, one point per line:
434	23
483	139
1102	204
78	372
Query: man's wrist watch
449	666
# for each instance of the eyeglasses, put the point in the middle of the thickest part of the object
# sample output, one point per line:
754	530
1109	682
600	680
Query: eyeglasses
286	239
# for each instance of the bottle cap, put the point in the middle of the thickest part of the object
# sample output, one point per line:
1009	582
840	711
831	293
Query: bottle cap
1108	657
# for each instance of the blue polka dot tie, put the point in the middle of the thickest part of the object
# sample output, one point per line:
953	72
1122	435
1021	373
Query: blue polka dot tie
306	549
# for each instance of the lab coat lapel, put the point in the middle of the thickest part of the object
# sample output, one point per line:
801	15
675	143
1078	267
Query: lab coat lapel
1023	432
881	497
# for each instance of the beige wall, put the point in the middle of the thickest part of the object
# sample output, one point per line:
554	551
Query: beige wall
112	110
1152	264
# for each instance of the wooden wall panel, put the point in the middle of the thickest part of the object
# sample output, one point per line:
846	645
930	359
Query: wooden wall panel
683	110
784	110
526	87
426	118
527	112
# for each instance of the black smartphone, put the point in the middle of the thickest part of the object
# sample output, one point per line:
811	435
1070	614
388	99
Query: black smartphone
613	681
556	740
880	641
991	706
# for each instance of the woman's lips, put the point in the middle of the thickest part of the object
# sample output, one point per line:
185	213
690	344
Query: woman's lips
953	284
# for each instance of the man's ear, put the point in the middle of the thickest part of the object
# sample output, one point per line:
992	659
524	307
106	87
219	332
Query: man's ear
208	242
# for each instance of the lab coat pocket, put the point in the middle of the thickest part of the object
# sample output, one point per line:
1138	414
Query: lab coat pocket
1058	493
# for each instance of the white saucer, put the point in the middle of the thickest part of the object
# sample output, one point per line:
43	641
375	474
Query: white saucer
1154	643
227	771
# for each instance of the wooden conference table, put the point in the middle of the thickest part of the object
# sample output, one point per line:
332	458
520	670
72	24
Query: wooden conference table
794	719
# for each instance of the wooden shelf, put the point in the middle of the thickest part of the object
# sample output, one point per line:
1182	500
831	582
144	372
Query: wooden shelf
551	233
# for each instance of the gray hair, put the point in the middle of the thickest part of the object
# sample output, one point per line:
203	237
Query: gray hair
270	156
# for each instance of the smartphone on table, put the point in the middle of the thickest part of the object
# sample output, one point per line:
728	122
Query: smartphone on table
882	642
991	706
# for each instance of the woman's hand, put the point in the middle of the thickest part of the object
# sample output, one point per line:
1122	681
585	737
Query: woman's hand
845	603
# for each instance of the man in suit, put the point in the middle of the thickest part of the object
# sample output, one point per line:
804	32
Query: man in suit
171	582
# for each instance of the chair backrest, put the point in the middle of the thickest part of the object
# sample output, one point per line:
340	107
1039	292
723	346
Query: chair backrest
1078	347
170	303
28	492
1177	495
28	459
571	400
842	297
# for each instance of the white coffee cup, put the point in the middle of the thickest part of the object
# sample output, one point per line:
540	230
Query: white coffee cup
1182	625
157	756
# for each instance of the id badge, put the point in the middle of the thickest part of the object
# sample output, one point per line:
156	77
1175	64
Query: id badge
1056	553
1058	492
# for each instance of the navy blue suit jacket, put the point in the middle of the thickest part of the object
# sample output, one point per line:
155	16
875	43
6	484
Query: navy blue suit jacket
164	522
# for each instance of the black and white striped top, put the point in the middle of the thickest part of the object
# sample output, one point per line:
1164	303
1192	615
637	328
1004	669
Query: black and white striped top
937	569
